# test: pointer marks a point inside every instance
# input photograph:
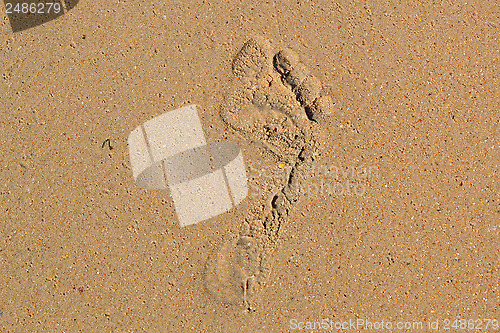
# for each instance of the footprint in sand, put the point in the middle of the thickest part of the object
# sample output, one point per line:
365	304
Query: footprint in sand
275	101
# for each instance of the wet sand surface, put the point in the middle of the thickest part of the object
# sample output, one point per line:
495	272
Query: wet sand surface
396	216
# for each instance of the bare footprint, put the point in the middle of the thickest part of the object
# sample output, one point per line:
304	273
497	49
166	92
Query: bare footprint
274	100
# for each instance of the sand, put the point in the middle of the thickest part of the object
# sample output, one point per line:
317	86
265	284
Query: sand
394	214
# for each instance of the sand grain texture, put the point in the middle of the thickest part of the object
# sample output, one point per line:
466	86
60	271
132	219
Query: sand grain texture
398	207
